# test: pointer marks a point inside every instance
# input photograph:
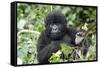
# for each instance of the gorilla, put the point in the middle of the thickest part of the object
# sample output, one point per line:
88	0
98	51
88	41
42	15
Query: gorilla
55	32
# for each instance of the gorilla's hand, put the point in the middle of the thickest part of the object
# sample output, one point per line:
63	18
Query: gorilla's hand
46	52
54	46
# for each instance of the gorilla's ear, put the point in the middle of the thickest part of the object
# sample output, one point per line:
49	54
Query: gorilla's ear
55	17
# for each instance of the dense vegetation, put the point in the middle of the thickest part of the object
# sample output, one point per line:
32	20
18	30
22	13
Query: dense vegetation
30	23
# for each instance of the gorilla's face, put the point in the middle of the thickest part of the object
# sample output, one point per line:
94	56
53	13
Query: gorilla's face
55	31
55	24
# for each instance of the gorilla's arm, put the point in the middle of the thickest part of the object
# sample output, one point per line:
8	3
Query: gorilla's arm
72	32
84	44
45	48
70	36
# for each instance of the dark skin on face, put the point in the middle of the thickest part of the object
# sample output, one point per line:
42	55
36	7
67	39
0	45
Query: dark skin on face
55	33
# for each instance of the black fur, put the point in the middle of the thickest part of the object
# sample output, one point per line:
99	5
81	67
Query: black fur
49	43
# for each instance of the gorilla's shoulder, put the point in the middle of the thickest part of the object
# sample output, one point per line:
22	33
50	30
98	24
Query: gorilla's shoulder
72	30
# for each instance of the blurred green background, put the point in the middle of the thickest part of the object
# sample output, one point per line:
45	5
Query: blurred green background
30	23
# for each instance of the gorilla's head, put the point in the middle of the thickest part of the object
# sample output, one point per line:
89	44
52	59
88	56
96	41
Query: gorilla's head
55	24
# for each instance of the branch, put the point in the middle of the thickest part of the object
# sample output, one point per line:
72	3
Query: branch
27	31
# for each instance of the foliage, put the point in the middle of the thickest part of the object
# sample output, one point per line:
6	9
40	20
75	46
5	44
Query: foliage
30	23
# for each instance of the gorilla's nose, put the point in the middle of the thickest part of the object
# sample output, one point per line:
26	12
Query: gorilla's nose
54	30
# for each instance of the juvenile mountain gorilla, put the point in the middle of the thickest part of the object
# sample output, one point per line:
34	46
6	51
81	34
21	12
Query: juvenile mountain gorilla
55	33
